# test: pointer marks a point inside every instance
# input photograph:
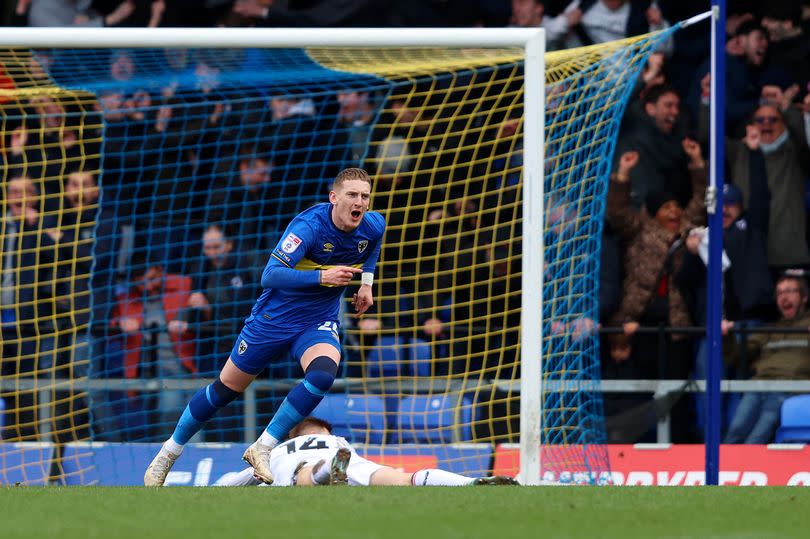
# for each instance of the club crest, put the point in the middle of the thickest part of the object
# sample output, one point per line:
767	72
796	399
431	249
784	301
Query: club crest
242	347
361	245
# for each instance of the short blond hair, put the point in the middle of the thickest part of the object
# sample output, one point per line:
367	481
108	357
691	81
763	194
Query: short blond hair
348	174
308	423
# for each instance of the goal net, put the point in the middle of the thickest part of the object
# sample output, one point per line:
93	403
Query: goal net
144	188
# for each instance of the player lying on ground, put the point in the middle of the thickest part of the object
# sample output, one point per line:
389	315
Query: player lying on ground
323	248
313	456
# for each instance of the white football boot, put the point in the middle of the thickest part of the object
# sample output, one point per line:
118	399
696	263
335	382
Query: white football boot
258	456
157	471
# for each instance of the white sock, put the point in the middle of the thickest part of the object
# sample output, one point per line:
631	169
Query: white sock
439	478
321	475
238	479
173	447
267	440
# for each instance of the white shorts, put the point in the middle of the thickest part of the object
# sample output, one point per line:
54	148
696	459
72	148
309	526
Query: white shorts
360	470
358	473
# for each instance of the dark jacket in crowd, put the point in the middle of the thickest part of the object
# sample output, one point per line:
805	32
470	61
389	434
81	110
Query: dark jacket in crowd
662	165
34	258
230	291
743	89
748	288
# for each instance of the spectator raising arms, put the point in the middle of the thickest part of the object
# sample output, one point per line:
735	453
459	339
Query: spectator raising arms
655	133
655	251
775	139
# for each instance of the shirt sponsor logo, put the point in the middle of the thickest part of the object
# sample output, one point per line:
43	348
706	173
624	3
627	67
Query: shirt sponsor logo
361	245
291	243
328	247
242	347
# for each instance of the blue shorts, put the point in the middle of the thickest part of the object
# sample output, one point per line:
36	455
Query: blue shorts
251	354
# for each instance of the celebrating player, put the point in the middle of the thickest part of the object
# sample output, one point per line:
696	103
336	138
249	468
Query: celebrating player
321	251
301	461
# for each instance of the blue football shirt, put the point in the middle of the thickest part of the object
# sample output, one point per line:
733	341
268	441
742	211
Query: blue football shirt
311	243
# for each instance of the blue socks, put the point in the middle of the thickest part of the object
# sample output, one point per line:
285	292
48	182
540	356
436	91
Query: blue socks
303	398
300	402
203	405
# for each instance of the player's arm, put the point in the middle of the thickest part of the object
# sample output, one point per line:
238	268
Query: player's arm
364	298
280	270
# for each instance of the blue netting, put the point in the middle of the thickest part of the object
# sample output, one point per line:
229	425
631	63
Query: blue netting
583	116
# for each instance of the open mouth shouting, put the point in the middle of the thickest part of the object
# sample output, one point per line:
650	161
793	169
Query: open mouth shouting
350	201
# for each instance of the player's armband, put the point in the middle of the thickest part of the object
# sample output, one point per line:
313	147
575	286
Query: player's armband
367	278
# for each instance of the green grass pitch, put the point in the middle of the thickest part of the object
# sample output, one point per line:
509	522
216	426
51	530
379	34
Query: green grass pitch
412	513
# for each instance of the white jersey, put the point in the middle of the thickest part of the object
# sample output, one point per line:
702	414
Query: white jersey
289	457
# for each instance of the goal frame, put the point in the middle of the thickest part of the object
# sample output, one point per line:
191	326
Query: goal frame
530	40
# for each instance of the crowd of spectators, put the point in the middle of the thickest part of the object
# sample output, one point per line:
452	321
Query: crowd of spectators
163	318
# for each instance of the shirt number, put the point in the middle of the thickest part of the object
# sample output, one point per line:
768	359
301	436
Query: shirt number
309	443
329	326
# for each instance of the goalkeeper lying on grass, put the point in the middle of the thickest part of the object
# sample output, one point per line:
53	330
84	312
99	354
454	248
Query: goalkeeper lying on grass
313	456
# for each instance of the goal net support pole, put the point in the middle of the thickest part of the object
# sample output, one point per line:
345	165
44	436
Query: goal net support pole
714	206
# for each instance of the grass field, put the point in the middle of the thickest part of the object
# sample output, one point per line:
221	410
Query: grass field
412	513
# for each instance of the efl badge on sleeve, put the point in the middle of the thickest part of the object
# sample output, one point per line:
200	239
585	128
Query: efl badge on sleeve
361	245
291	243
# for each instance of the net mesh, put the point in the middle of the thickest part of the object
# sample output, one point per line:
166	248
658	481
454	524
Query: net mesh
123	291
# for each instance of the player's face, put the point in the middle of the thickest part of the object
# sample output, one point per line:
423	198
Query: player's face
350	203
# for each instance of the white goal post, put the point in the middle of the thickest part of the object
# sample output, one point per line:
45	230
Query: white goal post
532	41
